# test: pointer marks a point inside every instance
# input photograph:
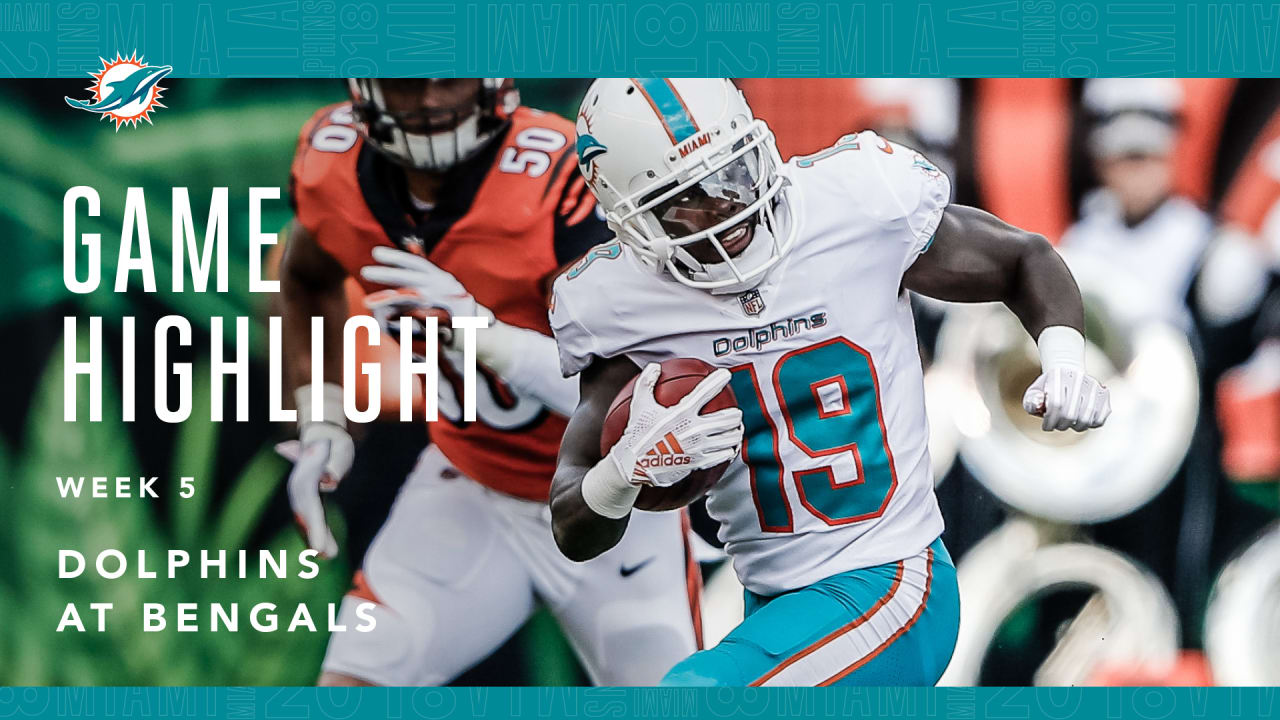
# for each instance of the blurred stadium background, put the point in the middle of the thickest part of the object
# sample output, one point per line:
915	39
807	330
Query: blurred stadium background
1170	189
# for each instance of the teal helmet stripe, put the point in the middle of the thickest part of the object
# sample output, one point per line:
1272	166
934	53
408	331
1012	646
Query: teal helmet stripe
670	108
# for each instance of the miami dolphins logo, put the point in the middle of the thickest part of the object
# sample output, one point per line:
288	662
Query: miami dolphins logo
588	150
125	90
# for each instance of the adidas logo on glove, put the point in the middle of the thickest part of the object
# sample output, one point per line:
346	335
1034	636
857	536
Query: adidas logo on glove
667	453
663	461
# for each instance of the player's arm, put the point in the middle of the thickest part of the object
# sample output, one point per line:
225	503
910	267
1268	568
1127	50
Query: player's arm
580	532
977	257
311	285
525	359
592	496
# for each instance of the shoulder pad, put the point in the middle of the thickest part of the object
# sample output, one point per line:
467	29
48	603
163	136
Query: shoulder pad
323	172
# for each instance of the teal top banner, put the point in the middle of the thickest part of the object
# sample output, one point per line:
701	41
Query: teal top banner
693	704
337	38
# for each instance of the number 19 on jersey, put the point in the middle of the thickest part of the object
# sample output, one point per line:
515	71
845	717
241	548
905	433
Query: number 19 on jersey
827	397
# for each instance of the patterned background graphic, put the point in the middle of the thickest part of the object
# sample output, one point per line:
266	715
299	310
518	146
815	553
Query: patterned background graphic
337	38
219	131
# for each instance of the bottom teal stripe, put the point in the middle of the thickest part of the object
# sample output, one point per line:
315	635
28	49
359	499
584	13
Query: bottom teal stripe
439	703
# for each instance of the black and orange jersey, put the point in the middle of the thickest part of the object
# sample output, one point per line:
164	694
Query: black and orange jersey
504	224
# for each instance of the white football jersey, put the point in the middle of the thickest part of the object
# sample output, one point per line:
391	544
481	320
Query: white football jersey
834	473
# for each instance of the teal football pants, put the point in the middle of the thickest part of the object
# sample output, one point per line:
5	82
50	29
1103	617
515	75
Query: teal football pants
893	624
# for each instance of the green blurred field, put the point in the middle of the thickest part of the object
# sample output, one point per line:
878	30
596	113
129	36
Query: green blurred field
213	133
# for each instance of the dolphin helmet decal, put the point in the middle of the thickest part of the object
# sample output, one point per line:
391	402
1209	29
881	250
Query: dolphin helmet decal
588	149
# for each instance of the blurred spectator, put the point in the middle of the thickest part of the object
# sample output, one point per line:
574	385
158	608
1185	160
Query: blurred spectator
1233	290
1248	402
1237	268
1135	220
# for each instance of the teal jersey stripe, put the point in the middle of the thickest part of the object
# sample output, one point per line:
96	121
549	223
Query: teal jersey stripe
669	107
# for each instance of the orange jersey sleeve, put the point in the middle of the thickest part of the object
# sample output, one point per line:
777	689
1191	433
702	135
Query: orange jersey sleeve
325	189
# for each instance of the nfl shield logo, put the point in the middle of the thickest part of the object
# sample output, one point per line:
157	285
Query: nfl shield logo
752	303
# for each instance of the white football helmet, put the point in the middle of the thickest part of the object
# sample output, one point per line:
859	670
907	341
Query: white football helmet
663	154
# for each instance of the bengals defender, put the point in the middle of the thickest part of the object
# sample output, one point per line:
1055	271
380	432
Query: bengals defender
448	196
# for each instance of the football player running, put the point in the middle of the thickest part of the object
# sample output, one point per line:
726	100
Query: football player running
447	197
792	280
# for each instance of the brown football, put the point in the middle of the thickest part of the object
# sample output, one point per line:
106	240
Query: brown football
679	377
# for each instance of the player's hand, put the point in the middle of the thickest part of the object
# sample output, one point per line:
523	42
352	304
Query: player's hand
321	457
394	306
662	445
1067	397
423	285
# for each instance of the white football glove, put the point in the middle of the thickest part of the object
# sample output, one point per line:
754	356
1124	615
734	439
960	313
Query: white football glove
662	445
321	456
394	306
526	359
423	286
1065	395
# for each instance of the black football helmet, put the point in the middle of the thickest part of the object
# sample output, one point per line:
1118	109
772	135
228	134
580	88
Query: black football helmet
431	136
